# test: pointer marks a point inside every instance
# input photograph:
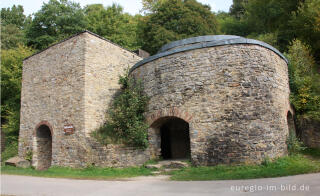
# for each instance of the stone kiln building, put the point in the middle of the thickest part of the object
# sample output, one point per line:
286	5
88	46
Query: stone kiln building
214	99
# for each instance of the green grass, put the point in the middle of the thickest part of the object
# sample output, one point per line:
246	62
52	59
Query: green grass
86	173
285	166
307	161
314	152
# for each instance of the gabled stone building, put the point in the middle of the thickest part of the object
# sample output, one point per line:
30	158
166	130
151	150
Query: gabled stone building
214	99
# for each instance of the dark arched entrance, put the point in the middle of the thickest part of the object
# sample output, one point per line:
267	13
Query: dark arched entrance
43	154
175	139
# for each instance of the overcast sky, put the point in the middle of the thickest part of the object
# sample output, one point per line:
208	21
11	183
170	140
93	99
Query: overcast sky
131	6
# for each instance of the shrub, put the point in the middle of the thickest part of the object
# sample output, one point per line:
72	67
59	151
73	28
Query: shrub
125	122
11	150
28	156
304	81
294	145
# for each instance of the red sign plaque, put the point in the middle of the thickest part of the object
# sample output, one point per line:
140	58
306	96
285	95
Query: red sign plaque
68	129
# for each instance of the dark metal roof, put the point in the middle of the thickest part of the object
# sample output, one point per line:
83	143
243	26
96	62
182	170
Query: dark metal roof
85	31
204	42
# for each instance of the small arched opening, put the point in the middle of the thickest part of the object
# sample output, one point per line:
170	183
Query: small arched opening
43	150
174	138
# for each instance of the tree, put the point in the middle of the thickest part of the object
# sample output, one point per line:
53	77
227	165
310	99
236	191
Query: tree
113	24
304	81
11	72
13	15
55	21
12	28
267	17
11	36
230	25
237	8
305	21
176	19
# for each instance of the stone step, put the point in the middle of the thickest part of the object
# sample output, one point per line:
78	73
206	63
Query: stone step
174	164
168	164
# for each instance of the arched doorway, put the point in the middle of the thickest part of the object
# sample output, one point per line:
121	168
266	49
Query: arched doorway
43	150
175	139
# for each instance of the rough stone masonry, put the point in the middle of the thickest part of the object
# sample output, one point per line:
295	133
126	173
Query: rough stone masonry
214	99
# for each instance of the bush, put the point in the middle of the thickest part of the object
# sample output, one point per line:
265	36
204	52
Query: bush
11	150
125	122
304	81
294	145
28	156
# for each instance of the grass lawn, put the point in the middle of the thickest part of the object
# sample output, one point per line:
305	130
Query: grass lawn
307	161
87	173
284	166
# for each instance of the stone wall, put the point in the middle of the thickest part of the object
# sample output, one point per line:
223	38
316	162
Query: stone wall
52	92
72	83
104	63
234	97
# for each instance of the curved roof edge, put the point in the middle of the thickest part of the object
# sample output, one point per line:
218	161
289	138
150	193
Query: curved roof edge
204	42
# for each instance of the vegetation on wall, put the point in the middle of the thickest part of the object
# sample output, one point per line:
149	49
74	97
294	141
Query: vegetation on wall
125	122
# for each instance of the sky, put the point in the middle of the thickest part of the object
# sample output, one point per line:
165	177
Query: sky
130	6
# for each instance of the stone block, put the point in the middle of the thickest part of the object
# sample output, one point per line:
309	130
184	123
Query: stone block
17	162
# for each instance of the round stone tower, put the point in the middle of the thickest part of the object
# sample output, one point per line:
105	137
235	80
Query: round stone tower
217	100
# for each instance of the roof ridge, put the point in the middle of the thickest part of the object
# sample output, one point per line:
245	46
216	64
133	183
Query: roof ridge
72	36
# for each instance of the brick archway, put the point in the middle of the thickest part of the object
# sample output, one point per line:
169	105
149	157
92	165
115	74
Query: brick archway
44	122
168	112
170	123
42	150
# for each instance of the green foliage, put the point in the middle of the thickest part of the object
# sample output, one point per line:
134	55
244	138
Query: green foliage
265	16
55	21
13	22
86	173
304	81
11	73
13	15
294	145
10	151
28	156
284	166
270	38
313	152
126	122
11	36
174	20
113	24
229	25
305	21
266	161
237	8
